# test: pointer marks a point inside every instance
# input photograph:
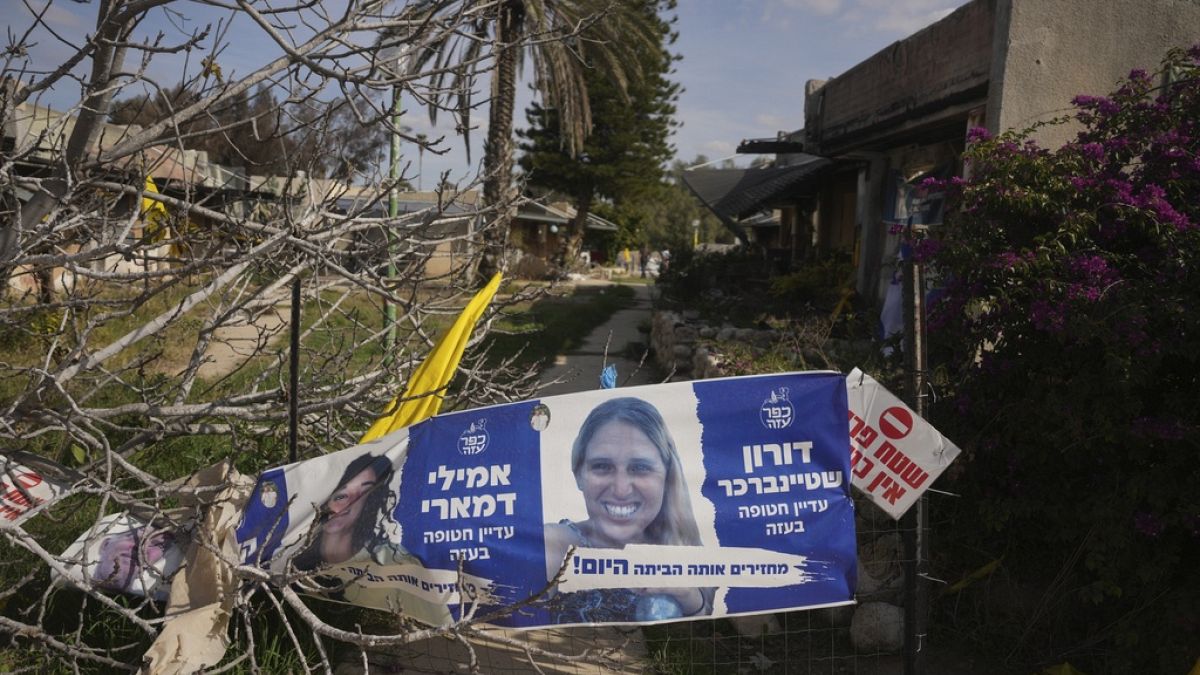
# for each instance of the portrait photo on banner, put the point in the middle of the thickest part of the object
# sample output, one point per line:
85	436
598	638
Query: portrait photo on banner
622	470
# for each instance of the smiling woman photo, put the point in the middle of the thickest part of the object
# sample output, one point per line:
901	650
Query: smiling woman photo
627	467
349	518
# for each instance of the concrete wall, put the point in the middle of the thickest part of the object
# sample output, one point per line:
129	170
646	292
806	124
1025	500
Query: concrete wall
924	73
1047	51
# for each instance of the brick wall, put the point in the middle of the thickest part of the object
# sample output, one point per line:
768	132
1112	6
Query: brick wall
948	59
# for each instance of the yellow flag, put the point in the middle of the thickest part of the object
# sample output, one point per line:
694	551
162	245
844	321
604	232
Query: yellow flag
153	213
422	397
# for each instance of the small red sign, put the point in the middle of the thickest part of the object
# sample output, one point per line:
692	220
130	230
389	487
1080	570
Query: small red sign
896	422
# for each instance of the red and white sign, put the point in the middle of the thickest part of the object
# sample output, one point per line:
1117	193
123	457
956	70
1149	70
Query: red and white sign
894	454
24	487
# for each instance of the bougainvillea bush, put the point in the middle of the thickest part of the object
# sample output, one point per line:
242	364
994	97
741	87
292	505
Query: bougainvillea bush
1068	341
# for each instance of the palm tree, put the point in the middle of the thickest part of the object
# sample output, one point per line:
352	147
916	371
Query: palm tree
563	39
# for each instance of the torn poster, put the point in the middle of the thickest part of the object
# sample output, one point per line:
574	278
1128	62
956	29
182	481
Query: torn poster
638	505
26	483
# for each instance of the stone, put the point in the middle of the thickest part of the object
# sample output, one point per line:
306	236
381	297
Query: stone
762	338
691	315
686	334
879	566
877	627
835	617
756	626
682	352
726	333
708	332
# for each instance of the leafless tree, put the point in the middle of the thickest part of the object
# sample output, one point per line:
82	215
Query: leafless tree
143	330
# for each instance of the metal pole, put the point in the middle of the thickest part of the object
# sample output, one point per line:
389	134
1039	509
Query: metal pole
389	341
294	374
914	522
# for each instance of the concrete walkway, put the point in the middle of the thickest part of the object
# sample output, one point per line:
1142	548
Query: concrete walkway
579	370
623	650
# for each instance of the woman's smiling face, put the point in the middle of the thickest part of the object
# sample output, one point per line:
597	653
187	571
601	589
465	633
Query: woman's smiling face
347	503
622	478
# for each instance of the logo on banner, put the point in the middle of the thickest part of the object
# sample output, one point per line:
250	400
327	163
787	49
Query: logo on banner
776	411
475	439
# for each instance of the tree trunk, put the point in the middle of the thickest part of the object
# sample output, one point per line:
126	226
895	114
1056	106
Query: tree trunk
106	60
498	149
573	240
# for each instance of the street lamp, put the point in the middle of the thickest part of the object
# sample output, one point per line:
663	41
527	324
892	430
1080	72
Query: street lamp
695	233
395	62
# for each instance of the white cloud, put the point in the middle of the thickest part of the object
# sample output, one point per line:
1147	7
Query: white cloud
769	122
718	148
896	17
818	7
910	23
60	18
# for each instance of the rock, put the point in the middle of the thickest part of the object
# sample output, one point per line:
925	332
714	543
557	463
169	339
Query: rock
726	333
691	315
762	338
879	564
836	617
877	627
686	334
682	352
705	365
745	334
708	332
755	626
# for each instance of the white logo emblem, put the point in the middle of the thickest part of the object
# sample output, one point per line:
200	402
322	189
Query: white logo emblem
475	439
776	411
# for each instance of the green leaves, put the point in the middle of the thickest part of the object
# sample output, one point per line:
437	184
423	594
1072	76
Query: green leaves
1076	386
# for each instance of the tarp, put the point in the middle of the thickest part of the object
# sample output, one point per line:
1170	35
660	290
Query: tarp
647	504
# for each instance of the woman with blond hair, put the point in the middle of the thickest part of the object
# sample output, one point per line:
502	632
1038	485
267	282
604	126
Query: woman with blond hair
627	467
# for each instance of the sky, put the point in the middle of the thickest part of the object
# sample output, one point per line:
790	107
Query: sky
743	68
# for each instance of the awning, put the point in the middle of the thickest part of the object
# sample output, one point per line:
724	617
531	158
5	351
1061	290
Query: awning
734	193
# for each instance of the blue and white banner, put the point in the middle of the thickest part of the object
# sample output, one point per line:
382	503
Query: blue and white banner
638	505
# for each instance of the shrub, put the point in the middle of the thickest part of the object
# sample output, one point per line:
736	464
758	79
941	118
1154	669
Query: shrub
1070	340
819	282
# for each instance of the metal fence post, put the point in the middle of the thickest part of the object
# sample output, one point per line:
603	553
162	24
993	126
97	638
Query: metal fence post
294	374
913	525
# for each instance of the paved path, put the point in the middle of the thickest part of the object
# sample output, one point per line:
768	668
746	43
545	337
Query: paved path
579	370
623	648
235	343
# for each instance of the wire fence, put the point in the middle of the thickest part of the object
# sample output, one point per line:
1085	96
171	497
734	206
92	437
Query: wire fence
866	638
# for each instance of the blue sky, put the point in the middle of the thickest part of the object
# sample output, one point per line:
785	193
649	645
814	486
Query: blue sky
743	69
745	62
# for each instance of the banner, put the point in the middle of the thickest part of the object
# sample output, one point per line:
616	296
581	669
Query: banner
895	454
638	505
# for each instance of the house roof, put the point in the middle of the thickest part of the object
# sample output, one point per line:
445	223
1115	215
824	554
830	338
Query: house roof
734	193
561	214
769	146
